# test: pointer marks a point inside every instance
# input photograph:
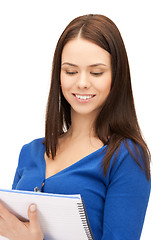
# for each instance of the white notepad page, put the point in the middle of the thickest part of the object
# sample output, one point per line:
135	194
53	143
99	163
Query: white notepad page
59	215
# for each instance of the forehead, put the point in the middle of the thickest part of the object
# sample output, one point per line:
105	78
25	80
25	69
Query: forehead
84	52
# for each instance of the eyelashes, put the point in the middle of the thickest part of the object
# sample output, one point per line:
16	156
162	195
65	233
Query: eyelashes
71	73
97	73
92	73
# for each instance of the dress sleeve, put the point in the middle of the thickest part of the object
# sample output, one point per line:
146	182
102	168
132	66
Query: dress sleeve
18	172
16	179
126	200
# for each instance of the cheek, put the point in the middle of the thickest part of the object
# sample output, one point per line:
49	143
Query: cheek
105	86
66	83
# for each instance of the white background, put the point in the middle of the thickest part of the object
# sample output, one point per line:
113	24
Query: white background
29	31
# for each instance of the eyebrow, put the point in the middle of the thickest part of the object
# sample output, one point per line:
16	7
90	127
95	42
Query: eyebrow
93	65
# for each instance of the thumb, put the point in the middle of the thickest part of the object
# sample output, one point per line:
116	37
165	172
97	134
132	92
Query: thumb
33	217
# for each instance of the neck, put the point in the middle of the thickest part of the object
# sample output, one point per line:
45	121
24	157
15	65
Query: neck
82	126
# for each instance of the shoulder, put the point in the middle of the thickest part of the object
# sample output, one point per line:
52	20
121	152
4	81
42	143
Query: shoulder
125	169
31	150
129	151
33	145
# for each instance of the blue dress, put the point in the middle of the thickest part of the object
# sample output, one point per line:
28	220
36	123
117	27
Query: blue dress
115	204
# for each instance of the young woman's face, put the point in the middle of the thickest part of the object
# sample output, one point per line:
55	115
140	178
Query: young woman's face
85	76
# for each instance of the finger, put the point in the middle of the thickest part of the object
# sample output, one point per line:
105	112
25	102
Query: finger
4	213
8	222
33	217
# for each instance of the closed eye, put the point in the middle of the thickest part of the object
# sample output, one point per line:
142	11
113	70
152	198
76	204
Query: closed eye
97	73
70	73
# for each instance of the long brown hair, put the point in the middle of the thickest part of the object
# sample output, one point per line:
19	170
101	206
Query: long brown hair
117	120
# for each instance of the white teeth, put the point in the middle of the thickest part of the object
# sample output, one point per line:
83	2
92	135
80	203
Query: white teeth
84	97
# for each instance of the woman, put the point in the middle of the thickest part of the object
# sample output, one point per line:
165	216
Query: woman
93	144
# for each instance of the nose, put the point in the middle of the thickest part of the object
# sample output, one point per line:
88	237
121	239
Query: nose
83	81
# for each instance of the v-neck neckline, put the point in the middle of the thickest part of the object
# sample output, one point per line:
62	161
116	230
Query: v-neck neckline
69	167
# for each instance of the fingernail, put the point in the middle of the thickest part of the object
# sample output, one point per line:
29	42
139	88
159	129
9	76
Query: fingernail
33	208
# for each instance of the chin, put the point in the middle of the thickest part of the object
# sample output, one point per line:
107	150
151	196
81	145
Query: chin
86	112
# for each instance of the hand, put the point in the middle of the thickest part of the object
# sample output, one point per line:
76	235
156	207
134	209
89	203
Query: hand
14	229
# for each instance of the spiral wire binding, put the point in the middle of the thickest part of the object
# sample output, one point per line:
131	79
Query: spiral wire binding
85	220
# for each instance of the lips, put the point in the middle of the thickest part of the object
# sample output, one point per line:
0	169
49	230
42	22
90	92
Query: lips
83	97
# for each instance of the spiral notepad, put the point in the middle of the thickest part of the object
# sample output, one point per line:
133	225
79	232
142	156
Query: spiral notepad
61	217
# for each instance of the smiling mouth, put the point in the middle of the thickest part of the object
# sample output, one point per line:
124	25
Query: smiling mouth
84	96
